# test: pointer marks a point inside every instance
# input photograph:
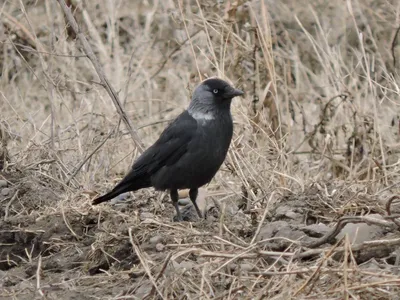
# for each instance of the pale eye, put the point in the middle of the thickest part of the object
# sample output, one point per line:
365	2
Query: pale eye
215	91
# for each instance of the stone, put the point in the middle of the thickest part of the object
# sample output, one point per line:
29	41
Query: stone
123	196
156	239
5	191
269	230
184	201
362	232
316	230
188	213
160	247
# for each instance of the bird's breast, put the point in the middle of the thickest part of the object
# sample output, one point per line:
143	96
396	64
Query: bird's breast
216	136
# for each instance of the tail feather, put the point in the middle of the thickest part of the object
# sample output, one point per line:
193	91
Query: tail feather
129	184
106	197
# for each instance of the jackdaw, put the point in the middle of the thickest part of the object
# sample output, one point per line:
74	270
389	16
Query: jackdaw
190	150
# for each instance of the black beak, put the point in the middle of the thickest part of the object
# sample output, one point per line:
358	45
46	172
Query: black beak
234	93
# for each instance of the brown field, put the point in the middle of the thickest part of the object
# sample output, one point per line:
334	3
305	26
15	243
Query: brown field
304	206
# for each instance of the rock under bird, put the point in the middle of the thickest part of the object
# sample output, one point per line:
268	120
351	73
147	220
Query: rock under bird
190	150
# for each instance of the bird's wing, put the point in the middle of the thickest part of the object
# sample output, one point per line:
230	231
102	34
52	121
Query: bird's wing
172	144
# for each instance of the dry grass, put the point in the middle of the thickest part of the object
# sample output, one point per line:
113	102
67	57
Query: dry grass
321	107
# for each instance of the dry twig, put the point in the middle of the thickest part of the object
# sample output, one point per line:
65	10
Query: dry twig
110	90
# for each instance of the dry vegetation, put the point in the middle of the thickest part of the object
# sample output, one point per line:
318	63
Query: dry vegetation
316	142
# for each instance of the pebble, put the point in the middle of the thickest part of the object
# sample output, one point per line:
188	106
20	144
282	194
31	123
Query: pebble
160	247
5	191
362	232
287	212
184	201
281	229
270	229
156	239
316	230
120	199
123	196
3	183
188	213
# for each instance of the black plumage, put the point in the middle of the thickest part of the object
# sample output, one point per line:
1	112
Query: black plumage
190	150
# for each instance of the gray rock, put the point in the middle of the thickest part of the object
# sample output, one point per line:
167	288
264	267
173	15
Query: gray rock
160	247
189	213
3	183
5	191
290	233
156	239
120	199
123	196
269	230
316	230
287	212
294	216
184	201
282	229
362	232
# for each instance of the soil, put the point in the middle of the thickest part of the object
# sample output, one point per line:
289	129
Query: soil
77	253
63	248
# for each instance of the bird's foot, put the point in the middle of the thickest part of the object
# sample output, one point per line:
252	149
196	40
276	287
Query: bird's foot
198	210
178	216
193	193
176	219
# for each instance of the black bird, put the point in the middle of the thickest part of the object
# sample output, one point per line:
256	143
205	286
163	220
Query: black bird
190	150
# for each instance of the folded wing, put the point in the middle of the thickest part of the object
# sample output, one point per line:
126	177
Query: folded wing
167	150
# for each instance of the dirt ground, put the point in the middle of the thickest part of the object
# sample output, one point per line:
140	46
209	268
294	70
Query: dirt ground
306	203
52	250
68	252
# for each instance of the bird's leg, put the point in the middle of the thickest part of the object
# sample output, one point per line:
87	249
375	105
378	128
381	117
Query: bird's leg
193	196
175	197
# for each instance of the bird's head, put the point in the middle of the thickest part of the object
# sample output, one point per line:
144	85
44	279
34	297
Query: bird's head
213	96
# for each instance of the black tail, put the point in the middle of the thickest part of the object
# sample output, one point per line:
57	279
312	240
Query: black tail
129	184
114	193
